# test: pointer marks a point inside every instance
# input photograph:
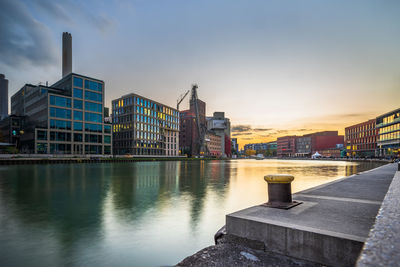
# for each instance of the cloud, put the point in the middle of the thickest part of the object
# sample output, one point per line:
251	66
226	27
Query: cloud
262	129
241	128
64	12
23	38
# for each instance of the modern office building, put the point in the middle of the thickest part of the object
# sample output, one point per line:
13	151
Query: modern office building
221	126
142	126
286	146
3	97
388	140
360	139
65	118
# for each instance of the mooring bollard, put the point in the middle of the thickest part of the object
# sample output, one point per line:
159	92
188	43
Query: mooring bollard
398	166
280	191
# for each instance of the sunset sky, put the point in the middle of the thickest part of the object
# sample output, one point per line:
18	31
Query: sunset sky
274	67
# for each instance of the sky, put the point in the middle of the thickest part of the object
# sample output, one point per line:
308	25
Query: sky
275	67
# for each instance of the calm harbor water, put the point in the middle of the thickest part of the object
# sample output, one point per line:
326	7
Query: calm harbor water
134	214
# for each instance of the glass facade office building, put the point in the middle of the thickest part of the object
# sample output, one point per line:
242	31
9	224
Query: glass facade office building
66	118
388	141
142	126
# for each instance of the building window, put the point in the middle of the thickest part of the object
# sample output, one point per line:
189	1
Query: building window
60	113
107	139
78	104
42	135
90	106
107	128
92	138
93	117
92	149
78	126
93	86
107	150
78	93
78	82
78	115
60	148
89	127
77	137
93	96
41	148
58	124
60	101
60	136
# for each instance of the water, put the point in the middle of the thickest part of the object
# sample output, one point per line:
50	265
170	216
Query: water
133	214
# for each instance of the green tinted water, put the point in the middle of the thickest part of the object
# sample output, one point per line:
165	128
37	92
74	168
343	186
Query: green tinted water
133	214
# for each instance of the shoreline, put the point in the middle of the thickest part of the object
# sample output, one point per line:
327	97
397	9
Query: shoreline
58	159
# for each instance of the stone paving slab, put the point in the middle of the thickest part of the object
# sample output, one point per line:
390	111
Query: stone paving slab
369	185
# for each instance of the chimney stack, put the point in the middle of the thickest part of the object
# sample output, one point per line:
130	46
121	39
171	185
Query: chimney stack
66	54
3	97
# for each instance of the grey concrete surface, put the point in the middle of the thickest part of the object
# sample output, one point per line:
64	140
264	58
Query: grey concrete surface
382	247
331	225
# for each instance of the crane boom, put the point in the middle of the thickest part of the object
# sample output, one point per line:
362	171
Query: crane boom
180	99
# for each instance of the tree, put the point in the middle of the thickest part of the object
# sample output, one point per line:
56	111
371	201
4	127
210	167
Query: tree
250	152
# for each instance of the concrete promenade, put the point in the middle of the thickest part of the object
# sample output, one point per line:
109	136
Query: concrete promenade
329	228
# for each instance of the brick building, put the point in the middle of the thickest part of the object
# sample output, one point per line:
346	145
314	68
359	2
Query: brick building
360	139
286	146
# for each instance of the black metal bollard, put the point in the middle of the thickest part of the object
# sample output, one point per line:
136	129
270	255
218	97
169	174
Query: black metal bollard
398	166
280	191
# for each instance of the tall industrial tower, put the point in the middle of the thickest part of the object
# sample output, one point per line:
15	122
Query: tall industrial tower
3	97
66	54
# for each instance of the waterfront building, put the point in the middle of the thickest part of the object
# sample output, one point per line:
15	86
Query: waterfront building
309	144
360	139
268	149
142	126
3	97
221	126
189	140
388	140
286	146
11	128
65	118
331	152
214	144
235	146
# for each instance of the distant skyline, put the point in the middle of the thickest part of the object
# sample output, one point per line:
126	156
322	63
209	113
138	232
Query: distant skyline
274	67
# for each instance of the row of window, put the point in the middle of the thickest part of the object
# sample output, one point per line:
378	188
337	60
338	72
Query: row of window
66	137
391	128
119	104
389	136
78	104
78	115
78	126
96	86
391	118
66	149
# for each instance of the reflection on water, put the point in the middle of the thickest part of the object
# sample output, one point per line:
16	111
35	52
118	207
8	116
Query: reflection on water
133	214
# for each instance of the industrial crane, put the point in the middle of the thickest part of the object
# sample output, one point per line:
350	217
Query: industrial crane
201	130
180	99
